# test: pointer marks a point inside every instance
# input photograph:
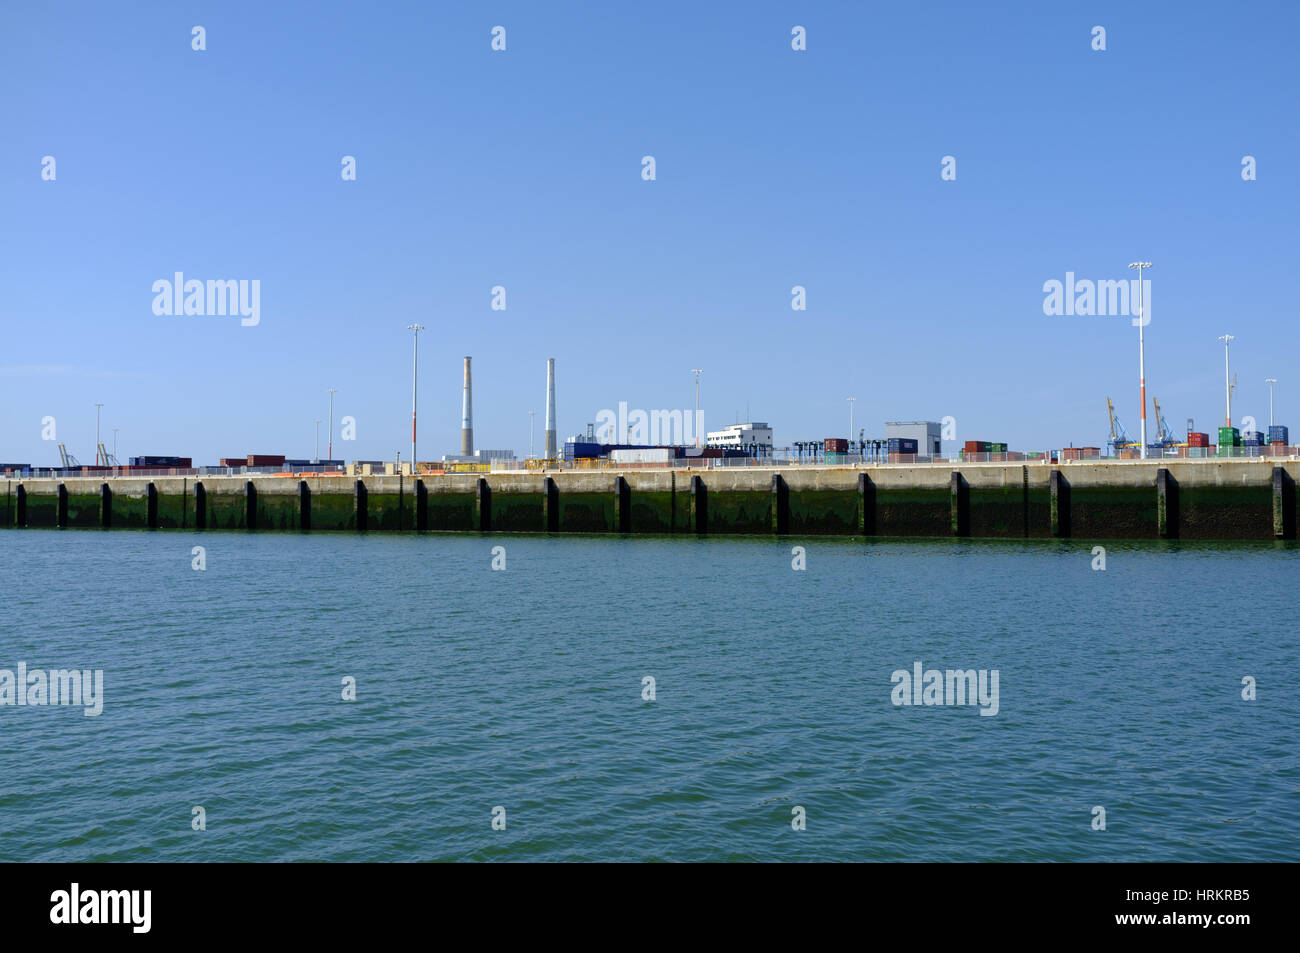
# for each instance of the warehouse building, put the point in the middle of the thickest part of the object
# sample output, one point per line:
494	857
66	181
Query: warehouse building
926	433
750	434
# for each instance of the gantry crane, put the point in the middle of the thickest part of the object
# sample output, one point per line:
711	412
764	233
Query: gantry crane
69	461
1119	438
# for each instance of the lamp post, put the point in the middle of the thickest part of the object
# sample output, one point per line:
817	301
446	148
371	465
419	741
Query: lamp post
1270	381
1227	340
851	401
97	460
697	371
1142	370
415	372
330	451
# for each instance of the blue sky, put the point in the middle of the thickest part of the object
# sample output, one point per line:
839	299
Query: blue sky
522	168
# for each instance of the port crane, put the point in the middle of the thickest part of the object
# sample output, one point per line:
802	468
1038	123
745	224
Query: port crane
109	459
69	461
1167	436
1119	438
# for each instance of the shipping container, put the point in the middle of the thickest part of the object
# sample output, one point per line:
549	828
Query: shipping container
1255	435
160	461
837	444
265	460
1196	438
902	445
973	446
232	461
644	455
1230	436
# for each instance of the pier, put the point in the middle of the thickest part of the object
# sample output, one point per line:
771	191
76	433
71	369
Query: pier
1168	499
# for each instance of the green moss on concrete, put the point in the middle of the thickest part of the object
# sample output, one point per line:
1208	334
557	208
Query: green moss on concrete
1040	513
821	512
913	512
176	510
390	511
333	511
740	511
652	512
451	511
42	510
999	512
587	512
1225	512
1113	512
130	512
83	510
517	512
226	511
278	512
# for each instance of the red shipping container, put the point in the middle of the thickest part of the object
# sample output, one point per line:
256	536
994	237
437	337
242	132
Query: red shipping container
265	460
836	445
974	446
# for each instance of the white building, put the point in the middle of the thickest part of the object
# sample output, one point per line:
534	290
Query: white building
742	435
479	456
926	433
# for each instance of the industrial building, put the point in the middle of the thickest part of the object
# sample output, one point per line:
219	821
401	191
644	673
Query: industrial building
746	435
926	433
479	456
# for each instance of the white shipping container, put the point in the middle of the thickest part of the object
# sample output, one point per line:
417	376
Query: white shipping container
646	455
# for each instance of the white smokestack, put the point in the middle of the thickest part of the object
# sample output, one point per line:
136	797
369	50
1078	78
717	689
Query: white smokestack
550	408
467	416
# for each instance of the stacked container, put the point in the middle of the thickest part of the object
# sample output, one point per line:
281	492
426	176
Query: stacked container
839	444
1197	439
902	445
1229	437
1278	434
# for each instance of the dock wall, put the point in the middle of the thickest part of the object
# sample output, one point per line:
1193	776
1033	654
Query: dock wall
1228	499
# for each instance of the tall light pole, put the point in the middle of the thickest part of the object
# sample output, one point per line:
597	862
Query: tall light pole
1270	381
97	460
697	371
330	452
415	371
1227	339
1142	367
316	457
850	400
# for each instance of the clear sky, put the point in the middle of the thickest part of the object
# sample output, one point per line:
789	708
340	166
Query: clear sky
523	169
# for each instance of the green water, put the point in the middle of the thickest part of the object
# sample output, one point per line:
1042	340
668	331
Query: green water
522	689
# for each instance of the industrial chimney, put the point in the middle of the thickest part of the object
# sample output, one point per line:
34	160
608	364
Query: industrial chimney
467	416
550	408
